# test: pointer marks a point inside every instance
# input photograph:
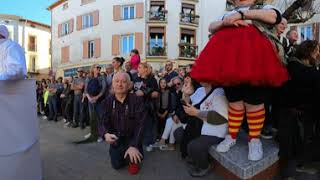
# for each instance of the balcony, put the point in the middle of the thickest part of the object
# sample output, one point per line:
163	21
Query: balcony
189	19
157	16
157	51
188	51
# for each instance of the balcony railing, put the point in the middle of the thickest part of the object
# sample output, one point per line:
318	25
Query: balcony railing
189	18
158	16
157	51
188	50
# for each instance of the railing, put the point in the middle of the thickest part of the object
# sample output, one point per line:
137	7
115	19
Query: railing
160	16
157	50
189	18
188	50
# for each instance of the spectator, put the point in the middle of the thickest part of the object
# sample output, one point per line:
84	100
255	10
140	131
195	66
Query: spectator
212	132
125	139
52	100
146	86
78	87
67	100
169	73
189	68
300	98
117	63
134	60
95	90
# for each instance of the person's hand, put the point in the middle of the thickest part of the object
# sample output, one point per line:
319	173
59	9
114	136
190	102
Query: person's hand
110	138
230	20
241	23
154	95
134	155
190	110
62	96
175	119
139	93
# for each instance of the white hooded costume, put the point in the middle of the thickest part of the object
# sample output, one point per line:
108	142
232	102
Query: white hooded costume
19	130
12	59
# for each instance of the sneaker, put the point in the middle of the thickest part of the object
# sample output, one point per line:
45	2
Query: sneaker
42	113
266	134
149	148
157	145
167	148
226	144
64	120
99	140
66	124
255	150
44	117
87	136
75	125
306	170
198	172
133	168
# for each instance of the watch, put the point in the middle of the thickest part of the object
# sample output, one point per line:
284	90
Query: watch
242	14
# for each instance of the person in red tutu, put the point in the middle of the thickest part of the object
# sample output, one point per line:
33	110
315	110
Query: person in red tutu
246	58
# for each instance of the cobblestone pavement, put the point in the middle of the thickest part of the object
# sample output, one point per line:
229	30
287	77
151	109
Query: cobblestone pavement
62	160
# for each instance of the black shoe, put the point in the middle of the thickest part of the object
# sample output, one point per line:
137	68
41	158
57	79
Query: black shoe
75	125
266	134
82	126
198	172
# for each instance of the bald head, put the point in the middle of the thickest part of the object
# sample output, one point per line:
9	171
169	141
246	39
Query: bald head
121	83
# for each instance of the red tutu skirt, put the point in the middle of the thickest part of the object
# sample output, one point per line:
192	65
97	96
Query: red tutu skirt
240	55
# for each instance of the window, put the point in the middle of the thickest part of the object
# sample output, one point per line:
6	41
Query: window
157	10
65	29
306	32
126	44
87	21
10	35
188	36
32	45
157	44
32	64
91	47
128	12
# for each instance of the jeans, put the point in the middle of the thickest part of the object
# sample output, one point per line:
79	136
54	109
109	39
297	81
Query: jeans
95	113
77	104
198	150
53	108
149	131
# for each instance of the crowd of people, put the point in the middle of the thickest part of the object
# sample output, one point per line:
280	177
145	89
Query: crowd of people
175	109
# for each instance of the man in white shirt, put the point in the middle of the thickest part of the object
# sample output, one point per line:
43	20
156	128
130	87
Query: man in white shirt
12	59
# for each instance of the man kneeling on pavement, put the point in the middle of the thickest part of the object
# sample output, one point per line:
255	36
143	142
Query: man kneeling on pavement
123	124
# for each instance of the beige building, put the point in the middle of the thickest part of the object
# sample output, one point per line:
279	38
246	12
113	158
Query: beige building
35	38
94	31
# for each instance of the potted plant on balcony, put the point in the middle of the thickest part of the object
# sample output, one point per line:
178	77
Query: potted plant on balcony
157	51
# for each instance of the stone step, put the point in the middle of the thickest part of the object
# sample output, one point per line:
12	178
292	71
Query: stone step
236	160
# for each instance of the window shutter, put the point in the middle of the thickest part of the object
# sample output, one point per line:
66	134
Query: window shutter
315	31
85	49
59	30
97	51
65	54
95	15
138	41
79	23
116	12
71	24
139	10
115	45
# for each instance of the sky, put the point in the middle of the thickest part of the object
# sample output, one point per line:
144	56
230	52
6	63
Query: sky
35	10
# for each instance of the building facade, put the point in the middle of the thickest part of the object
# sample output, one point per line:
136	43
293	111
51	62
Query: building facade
35	39
85	32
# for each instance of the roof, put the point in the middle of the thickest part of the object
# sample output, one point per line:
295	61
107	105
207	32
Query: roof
55	4
21	19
